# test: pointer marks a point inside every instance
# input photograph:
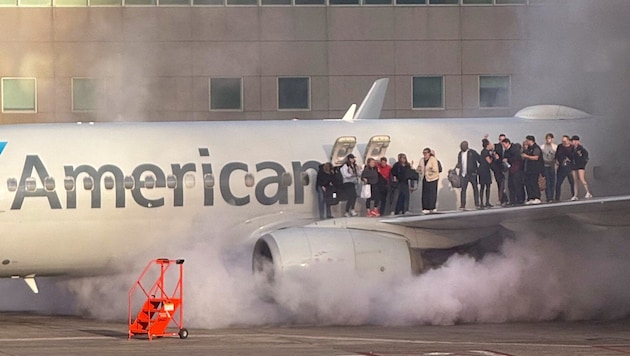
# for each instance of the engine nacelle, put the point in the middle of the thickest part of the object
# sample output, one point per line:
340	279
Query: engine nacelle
364	252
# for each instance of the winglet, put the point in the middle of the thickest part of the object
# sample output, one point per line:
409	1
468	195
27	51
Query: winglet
30	281
349	115
372	105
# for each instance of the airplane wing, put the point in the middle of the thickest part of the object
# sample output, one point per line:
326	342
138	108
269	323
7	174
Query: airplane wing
392	244
466	226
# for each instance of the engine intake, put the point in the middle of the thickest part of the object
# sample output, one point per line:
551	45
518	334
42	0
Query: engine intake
364	252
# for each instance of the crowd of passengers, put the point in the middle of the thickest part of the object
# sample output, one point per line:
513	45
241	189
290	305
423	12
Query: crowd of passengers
521	171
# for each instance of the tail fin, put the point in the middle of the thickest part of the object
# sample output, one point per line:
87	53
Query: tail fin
372	104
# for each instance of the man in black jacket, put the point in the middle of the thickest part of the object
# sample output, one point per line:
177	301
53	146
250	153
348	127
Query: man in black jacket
467	163
534	165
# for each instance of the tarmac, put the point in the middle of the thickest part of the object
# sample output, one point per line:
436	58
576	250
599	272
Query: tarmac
33	334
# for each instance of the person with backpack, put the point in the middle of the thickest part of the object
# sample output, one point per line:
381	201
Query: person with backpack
326	190
580	159
429	171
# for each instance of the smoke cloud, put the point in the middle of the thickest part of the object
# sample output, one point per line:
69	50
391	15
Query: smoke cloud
531	278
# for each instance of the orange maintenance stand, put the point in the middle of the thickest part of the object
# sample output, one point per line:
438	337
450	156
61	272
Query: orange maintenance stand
160	308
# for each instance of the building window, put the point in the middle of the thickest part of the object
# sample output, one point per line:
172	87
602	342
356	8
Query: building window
226	94
242	2
343	2
86	94
34	2
476	2
502	2
275	2
377	2
411	2
19	95
294	93
444	2
428	92
310	2
494	91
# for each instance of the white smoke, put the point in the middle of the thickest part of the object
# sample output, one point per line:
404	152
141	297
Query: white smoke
531	279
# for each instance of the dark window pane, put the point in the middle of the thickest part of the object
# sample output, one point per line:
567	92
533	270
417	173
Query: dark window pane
499	2
443	2
428	92
411	2
469	2
225	94
494	91
377	2
293	93
310	2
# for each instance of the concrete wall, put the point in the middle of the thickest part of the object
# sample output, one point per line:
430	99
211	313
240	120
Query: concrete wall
157	61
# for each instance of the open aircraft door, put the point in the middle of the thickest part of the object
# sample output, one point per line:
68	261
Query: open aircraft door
344	145
377	147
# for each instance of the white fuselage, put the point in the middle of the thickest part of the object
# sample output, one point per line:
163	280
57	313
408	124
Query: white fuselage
160	186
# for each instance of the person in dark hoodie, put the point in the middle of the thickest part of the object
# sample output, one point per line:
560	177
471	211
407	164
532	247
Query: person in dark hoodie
533	168
325	189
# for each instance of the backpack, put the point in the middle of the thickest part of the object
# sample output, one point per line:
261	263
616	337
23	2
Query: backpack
439	166
454	178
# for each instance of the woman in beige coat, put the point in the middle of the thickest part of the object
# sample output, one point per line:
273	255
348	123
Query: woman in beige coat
429	171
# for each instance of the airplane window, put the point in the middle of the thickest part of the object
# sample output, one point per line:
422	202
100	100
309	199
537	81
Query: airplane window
171	181
249	180
109	182
31	184
306	179
49	184
88	183
149	182
129	182
189	180
12	184
68	183
286	179
208	181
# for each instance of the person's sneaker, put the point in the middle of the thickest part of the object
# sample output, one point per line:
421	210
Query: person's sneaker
434	211
426	211
574	198
375	212
353	213
588	196
347	214
529	202
536	201
369	213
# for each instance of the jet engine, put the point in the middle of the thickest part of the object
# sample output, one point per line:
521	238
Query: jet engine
364	252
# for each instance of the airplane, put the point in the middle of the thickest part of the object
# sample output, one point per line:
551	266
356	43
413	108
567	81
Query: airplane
86	199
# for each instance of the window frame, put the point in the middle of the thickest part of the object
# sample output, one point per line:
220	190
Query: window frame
309	93
101	85
509	88
242	99
443	94
2	91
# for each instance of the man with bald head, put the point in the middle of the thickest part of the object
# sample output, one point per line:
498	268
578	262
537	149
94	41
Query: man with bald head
467	163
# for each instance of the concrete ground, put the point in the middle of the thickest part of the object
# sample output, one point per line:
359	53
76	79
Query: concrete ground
31	334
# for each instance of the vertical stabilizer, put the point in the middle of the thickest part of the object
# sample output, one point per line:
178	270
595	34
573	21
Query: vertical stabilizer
349	115
372	105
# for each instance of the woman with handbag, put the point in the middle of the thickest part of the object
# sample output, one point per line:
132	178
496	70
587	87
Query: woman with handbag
370	190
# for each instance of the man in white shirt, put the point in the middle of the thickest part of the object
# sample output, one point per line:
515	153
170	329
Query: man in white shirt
549	172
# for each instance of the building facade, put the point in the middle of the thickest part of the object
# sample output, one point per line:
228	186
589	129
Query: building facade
159	60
